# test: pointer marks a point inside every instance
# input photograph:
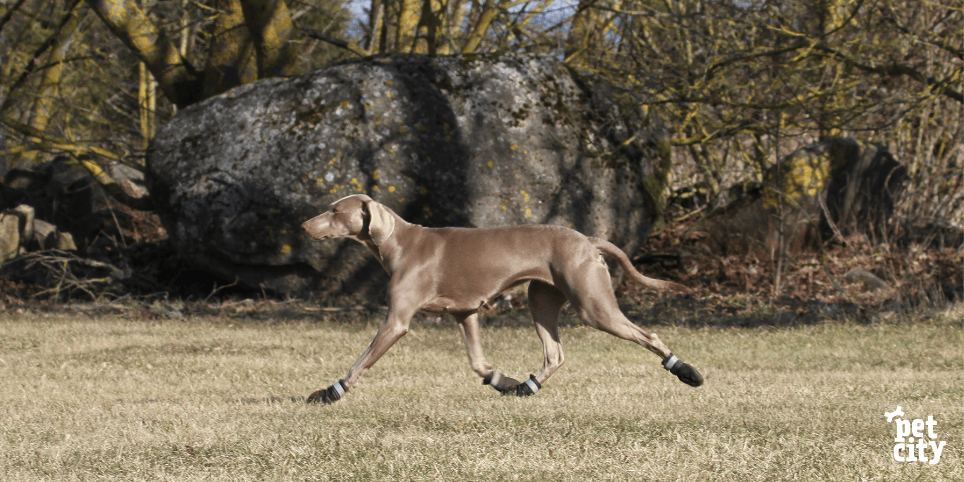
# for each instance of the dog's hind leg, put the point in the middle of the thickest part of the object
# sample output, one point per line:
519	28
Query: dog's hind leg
592	297
545	303
469	326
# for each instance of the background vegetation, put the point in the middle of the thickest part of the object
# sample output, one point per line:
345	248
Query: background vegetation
740	82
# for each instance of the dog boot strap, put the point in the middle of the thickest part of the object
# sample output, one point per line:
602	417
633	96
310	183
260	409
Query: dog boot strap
532	384
337	389
329	395
494	378
530	387
684	371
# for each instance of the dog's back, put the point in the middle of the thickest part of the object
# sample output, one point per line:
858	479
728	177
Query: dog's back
483	262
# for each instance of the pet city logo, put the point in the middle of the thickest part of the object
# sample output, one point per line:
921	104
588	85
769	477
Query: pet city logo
913	443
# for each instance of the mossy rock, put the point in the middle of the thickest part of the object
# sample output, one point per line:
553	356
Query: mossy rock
834	187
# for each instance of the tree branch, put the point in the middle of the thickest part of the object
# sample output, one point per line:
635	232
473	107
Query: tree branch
317	35
85	157
897	70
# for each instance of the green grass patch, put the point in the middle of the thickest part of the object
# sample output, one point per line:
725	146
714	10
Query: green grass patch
114	398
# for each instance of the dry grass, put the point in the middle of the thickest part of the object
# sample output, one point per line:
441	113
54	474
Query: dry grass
125	399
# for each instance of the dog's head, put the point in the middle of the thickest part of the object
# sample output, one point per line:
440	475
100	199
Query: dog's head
357	216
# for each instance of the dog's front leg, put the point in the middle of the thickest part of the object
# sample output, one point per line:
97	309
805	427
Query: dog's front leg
395	326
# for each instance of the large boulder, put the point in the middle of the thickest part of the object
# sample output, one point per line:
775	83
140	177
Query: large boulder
445	141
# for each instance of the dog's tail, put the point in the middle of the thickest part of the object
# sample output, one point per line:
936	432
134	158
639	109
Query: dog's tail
614	251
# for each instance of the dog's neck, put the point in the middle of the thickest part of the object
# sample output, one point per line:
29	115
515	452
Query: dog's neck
388	253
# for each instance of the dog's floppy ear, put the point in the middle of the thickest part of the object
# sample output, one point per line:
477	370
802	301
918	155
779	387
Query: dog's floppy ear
381	222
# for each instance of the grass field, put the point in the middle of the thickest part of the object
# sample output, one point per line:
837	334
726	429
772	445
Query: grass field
120	398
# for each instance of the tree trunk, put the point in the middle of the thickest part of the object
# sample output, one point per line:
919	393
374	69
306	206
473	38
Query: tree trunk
231	58
49	84
175	76
269	23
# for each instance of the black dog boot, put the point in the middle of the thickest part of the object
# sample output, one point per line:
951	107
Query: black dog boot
686	373
500	382
329	395
530	387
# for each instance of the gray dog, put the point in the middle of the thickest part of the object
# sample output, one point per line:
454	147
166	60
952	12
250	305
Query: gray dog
459	270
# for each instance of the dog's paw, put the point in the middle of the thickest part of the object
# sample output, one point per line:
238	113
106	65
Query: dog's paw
687	374
684	371
530	387
500	382
328	395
